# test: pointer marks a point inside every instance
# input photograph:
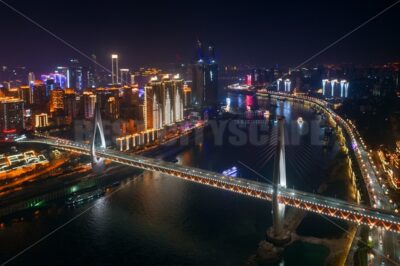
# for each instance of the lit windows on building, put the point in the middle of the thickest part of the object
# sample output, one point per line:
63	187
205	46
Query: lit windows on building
26	94
11	115
163	104
56	100
114	69
89	102
41	120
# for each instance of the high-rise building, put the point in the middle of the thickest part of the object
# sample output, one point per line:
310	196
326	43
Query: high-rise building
31	78
62	77
93	80
40	97
205	78
75	75
11	115
56	100
103	96
114	69
130	103
150	107
41	120
187	98
26	94
211	79
112	108
198	80
89	102
125	77
71	103
163	104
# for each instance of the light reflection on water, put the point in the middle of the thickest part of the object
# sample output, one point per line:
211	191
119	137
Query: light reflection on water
158	219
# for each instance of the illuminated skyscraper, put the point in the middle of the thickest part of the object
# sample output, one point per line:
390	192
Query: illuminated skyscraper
325	83
11	115
148	108
288	84
26	94
163	104
205	78
41	120
211	79
130	103
89	102
93	73
103	100
40	98
71	103
187	98
31	78
125	76
112	108
56	100
114	69
198	80
278	84
333	85
75	75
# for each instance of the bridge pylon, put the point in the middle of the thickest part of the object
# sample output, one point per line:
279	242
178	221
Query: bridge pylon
97	162
277	234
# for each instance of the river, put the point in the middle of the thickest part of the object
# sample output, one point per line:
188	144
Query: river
154	219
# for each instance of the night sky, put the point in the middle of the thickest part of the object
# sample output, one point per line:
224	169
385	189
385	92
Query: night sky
262	33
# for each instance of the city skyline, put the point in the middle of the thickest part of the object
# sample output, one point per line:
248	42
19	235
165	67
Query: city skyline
200	133
265	35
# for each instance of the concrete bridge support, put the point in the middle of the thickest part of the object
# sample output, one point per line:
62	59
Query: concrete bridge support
277	234
97	162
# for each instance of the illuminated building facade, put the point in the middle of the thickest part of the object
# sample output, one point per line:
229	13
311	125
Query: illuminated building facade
71	103
20	160
211	79
325	83
130	103
55	80
125	77
205	78
288	84
75	75
108	101
11	115
89	102
114	69
41	120
163	105
335	88
187	96
31	78
26	94
57	100
112	108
